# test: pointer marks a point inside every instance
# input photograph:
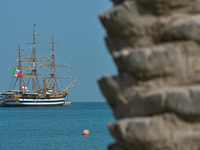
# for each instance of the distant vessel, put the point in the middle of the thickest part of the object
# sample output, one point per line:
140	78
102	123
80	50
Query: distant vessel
49	95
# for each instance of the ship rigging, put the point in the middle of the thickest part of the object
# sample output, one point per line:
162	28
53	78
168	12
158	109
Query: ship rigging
46	96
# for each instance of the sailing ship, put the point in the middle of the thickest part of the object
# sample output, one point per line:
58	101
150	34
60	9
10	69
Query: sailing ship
49	95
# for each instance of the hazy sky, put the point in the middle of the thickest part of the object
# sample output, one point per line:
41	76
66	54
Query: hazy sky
76	27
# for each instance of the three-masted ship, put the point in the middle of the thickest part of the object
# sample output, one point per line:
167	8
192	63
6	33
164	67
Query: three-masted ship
47	95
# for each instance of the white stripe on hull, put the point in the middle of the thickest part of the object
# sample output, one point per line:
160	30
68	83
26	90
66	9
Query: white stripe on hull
45	103
41	100
35	102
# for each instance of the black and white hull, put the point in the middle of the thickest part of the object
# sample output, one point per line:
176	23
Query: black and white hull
20	102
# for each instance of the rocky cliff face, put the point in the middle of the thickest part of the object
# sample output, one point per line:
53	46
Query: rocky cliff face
155	98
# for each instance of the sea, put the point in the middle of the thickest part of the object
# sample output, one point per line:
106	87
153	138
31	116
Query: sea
56	128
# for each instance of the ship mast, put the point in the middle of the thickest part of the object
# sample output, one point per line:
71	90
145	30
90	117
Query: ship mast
34	67
53	64
53	73
20	67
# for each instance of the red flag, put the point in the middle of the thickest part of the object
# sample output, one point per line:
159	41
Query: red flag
19	75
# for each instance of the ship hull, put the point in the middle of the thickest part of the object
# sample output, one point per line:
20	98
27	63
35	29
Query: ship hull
14	102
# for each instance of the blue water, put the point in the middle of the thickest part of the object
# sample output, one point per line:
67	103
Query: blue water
56	128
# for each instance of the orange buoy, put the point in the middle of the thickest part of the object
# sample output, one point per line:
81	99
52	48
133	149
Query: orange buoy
86	132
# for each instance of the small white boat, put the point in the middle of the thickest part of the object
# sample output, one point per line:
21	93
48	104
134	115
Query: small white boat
67	103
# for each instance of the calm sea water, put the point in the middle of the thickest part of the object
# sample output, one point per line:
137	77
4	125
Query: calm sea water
56	128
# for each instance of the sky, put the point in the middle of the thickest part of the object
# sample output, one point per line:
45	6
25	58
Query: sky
77	28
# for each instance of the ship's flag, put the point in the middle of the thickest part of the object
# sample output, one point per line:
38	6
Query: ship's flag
19	75
16	72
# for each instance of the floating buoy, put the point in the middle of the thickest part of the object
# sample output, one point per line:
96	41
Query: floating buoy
85	132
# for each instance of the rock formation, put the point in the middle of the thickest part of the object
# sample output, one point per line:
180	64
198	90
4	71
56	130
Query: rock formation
155	97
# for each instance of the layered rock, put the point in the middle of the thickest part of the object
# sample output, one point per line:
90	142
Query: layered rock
155	98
